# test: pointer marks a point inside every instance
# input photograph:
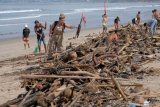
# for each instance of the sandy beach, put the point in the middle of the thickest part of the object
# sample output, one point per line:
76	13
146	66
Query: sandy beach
11	48
11	66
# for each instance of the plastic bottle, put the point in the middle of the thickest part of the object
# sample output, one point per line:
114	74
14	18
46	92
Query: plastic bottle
146	104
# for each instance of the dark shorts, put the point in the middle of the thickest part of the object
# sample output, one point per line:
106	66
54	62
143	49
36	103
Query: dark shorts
41	39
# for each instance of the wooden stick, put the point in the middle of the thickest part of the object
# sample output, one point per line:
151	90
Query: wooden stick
73	83
75	100
76	73
20	105
118	86
124	47
123	85
139	93
65	77
11	102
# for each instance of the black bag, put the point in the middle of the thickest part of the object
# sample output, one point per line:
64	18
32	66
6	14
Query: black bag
55	24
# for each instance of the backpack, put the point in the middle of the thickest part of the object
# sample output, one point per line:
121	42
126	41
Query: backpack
55	24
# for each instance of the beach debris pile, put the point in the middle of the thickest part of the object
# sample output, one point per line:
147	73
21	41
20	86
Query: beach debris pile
93	74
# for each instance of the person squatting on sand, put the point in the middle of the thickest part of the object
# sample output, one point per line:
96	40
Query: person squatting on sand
38	28
56	35
104	23
26	32
116	23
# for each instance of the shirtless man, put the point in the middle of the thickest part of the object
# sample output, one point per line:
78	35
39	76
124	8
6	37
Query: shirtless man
156	14
104	23
138	18
112	37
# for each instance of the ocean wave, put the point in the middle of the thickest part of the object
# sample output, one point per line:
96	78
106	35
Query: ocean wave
18	18
98	9
19	11
27	17
110	8
157	5
3	25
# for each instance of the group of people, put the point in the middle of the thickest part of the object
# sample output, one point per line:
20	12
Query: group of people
55	34
58	27
150	26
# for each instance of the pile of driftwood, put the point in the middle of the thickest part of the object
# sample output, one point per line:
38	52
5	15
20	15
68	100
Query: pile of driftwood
92	74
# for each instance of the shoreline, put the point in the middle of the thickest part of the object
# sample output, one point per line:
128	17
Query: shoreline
11	70
13	47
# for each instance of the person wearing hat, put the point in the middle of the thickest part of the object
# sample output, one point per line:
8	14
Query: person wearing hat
56	35
26	32
38	28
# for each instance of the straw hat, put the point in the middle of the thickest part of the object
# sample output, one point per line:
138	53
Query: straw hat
61	15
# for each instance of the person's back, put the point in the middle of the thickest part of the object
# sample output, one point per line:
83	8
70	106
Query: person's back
115	20
26	32
112	37
116	23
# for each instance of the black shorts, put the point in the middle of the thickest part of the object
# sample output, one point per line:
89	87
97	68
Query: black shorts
133	21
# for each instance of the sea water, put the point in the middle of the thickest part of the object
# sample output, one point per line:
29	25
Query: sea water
14	15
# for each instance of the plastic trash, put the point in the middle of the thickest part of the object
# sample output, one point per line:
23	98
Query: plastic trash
146	104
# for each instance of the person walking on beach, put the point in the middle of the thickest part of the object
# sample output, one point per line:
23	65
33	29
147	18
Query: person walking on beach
38	28
116	23
26	32
56	35
138	17
104	23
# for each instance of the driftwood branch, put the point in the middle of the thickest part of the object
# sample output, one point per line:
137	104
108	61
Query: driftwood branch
65	77
118	86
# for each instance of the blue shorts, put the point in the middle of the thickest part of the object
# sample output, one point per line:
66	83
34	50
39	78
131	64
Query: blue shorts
42	39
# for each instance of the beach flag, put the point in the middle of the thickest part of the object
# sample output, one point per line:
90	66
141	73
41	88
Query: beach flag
84	19
105	11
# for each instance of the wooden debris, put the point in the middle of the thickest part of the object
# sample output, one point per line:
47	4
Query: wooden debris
91	74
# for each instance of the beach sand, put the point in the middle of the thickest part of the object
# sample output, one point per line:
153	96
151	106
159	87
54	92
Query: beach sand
10	68
14	47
